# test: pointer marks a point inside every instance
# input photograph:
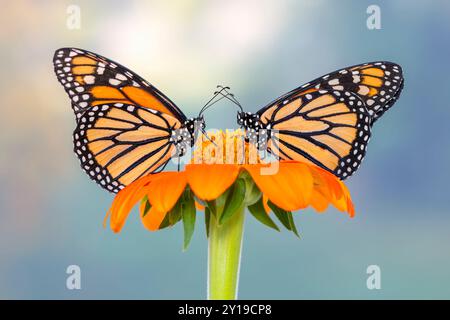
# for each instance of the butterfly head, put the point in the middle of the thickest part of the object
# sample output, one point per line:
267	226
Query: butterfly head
194	126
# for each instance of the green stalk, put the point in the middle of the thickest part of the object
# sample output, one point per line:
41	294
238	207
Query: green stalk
224	255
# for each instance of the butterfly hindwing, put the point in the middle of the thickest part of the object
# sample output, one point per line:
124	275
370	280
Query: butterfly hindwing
91	79
119	143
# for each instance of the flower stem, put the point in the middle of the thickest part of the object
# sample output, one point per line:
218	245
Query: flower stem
224	255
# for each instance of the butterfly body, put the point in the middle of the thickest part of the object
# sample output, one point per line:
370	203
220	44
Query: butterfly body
256	132
185	137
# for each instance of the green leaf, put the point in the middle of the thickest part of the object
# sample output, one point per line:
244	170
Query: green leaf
285	218
189	213
258	211
207	219
235	198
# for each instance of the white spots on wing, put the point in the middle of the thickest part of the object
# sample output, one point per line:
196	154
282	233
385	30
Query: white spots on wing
363	90
333	82
89	79
121	77
114	82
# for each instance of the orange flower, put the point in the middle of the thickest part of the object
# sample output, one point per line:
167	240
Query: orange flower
214	170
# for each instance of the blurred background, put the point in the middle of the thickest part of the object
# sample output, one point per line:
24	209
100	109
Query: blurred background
51	213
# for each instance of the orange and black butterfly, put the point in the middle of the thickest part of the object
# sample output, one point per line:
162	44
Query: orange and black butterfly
326	122
126	128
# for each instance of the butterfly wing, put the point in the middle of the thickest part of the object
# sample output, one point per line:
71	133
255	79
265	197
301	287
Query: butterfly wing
91	80
377	84
119	143
327	129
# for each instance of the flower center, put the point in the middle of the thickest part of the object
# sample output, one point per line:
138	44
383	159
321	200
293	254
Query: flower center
225	147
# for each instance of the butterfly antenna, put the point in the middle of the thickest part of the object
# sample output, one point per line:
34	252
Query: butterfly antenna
232	98
211	101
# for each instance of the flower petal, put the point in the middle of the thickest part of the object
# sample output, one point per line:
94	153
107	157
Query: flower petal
153	219
199	206
319	202
290	188
329	189
209	181
165	190
125	201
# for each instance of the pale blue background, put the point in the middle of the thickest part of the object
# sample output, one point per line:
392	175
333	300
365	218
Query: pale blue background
51	213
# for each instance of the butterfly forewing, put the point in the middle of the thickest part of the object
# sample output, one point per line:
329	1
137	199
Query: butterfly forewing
378	84
91	79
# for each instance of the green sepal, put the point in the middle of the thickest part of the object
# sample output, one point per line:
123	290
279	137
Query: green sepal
258	211
285	218
147	207
207	219
176	213
189	213
234	200
252	193
165	223
212	206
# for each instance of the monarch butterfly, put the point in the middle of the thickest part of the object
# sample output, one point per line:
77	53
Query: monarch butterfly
126	128
328	121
